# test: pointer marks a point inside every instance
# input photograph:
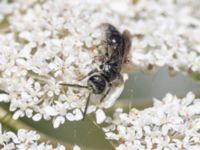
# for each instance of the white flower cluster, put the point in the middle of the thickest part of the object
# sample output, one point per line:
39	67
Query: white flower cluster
53	41
171	123
165	33
8	7
24	140
47	44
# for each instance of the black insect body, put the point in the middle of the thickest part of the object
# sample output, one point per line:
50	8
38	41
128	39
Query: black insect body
97	83
117	46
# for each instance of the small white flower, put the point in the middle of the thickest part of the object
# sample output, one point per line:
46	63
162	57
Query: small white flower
18	114
100	116
77	114
76	147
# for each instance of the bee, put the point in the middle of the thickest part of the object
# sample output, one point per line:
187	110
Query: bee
100	81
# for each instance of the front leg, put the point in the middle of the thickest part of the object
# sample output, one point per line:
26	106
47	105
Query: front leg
90	73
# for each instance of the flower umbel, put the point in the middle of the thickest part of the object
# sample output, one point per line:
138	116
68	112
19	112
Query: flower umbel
171	123
46	42
24	140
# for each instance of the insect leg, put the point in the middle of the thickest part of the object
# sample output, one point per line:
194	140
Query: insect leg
127	40
86	105
74	85
103	97
90	73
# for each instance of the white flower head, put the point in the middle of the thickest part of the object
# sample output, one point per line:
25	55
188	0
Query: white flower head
58	41
171	123
51	48
28	140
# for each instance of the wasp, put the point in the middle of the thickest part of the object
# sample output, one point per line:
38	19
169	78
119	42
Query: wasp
100	81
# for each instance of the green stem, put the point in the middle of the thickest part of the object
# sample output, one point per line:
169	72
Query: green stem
98	127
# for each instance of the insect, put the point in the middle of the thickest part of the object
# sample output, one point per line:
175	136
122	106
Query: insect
100	81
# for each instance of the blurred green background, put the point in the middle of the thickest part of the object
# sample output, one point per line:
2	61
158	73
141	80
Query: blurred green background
144	86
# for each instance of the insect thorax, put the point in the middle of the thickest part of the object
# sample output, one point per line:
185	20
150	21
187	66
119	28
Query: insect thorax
111	71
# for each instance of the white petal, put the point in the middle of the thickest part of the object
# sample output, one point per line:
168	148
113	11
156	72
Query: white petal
77	114
37	117
4	98
29	112
76	147
100	116
18	114
59	120
50	111
70	117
